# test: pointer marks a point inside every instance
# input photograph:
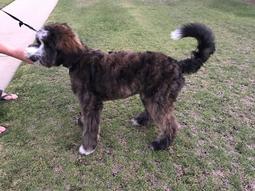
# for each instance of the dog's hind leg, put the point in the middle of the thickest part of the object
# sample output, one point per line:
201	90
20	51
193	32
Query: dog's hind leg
90	126
78	121
142	119
162	116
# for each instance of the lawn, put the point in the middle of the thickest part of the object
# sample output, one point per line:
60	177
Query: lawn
214	150
4	2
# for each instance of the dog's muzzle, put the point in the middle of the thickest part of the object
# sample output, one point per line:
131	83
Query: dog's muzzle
32	53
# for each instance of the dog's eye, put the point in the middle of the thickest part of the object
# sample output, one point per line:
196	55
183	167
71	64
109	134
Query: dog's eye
37	42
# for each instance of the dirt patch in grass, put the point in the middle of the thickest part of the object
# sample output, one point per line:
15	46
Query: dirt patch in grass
85	3
250	186
250	2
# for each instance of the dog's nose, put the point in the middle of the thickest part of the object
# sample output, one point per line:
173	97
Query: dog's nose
33	58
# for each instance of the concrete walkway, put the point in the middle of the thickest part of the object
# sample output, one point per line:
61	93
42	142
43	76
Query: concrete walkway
32	12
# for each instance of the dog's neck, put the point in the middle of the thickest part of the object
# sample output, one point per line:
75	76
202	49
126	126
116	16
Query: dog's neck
71	61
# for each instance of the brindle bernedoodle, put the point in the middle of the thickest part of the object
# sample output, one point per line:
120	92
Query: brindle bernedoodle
98	76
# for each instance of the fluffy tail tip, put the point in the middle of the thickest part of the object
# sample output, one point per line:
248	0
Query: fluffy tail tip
176	35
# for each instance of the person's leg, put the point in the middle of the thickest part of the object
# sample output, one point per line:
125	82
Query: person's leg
7	96
3	130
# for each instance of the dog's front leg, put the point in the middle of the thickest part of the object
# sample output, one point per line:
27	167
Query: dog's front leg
90	125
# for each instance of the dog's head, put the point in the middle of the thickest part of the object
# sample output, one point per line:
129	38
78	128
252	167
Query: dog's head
55	44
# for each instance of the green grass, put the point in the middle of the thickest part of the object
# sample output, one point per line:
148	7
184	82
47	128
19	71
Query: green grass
215	149
4	2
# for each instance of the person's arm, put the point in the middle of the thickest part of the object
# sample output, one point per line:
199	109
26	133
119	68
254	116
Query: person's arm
14	52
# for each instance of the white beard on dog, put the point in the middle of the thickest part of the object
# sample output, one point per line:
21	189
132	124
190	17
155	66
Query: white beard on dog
35	51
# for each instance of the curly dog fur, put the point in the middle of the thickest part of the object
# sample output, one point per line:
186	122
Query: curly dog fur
98	76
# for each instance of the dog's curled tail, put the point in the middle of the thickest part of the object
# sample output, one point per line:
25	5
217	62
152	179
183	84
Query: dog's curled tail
205	47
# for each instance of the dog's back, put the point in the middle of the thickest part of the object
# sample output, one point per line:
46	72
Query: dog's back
121	74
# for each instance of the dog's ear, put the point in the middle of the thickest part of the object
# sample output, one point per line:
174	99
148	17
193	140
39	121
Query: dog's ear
63	38
70	45
65	25
69	41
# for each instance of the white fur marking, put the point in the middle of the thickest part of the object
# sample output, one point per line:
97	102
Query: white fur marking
41	34
134	122
177	34
30	51
34	51
82	151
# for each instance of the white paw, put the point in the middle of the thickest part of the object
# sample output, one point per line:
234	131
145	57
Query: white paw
82	151
134	122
